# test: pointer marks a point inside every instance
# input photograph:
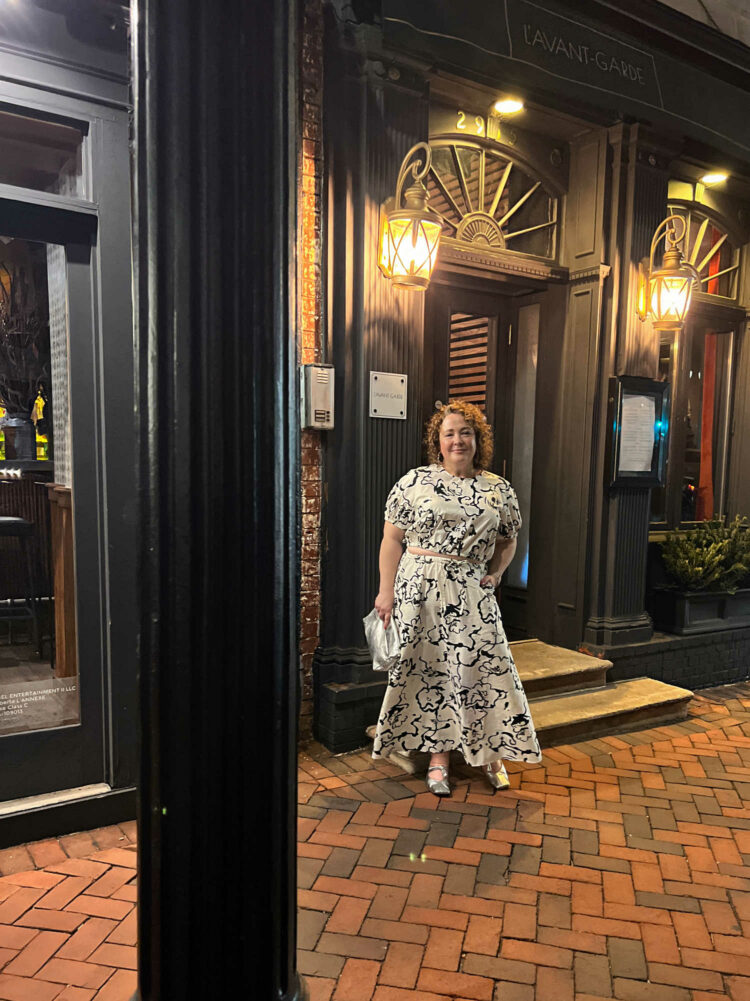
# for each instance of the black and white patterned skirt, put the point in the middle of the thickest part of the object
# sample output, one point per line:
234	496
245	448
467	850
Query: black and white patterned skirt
455	686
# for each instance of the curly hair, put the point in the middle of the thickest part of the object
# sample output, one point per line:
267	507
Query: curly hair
476	421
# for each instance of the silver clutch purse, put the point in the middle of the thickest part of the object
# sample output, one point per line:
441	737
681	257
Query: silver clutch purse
384	644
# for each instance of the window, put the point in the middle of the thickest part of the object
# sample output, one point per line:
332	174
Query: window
41	155
698	364
38	654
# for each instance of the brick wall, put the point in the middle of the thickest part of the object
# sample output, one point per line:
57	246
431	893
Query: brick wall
310	335
703	660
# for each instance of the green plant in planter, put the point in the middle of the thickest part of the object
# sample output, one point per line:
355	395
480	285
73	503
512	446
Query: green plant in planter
713	556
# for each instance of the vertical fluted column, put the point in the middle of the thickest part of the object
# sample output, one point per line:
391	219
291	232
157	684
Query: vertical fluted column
371	326
638	202
216	110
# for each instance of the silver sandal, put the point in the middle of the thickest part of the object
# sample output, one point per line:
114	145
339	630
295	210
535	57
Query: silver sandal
439	787
498	777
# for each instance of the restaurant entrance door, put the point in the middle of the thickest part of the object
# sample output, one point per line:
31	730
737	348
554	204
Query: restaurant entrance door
51	615
482	346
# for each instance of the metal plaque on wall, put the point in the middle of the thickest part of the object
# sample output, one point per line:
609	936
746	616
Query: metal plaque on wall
388	395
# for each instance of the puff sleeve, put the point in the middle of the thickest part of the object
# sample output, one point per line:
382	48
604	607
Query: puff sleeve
510	514
398	507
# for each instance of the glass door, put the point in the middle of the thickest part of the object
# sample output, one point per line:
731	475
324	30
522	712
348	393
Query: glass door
50	653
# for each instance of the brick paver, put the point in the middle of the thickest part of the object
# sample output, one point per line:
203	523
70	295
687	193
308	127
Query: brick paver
616	868
67	926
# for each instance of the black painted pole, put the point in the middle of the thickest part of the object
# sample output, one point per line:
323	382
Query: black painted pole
215	129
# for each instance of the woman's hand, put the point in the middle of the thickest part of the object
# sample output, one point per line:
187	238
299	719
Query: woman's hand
491	578
384	606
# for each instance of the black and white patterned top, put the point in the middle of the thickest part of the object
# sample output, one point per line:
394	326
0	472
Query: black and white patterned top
453	515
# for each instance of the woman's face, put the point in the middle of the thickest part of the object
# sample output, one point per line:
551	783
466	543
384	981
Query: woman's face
458	443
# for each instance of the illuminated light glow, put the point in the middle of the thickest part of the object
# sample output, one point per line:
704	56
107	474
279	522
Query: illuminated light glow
665	293
716	177
508	106
384	259
669	298
409	232
525	571
412	249
642	287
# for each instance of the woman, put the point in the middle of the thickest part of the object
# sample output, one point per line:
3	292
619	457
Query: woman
455	686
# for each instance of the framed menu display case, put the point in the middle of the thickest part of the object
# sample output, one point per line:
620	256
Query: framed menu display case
639	429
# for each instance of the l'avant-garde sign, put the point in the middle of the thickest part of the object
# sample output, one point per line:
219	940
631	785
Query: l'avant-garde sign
572	50
388	395
529	33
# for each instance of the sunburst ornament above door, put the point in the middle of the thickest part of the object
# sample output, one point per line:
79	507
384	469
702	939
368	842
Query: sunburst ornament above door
487	200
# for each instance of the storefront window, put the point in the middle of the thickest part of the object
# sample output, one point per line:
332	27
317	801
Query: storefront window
698	365
38	655
41	155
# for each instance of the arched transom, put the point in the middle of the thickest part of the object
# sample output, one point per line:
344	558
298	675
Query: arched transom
708	247
485	199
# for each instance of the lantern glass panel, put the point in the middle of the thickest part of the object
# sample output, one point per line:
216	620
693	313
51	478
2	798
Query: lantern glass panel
384	245
670	298
413	249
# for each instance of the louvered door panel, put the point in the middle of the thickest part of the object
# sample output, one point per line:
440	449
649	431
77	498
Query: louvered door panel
468	358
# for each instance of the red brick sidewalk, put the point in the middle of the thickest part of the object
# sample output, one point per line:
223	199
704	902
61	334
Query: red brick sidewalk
614	869
617	868
68	918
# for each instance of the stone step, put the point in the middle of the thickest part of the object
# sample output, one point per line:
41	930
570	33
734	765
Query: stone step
616	708
550	670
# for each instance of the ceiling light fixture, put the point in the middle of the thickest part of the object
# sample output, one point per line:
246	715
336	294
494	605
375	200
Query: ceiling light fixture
508	106
715	177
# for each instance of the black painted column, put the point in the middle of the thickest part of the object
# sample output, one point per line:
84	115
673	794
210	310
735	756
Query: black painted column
640	176
215	92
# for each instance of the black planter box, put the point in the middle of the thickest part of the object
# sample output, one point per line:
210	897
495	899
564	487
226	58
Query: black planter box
685	613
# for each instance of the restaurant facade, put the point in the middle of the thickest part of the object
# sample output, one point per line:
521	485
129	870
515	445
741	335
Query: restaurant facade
559	137
150	488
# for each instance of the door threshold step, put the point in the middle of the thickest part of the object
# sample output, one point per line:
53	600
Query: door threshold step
549	670
637	704
47	799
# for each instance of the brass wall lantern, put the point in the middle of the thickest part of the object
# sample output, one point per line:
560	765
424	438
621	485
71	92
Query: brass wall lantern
409	230
664	293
